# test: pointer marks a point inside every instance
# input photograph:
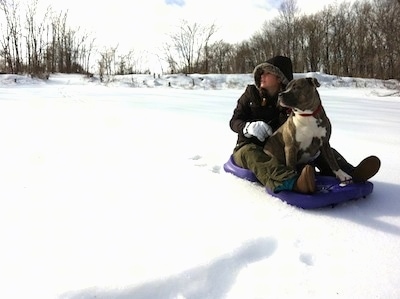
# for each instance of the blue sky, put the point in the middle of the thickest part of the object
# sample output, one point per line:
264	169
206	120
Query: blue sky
175	2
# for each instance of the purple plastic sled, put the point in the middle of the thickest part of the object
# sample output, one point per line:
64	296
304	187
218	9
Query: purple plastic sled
329	192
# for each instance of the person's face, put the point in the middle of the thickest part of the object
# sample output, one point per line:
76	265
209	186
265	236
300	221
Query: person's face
270	83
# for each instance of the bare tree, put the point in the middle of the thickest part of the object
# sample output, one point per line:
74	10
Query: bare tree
12	36
128	63
60	30
220	54
273	40
85	52
288	12
35	40
107	63
189	44
68	51
310	40
341	31
363	41
260	48
242	61
387	24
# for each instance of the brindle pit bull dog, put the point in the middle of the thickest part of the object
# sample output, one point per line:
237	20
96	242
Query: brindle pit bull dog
306	132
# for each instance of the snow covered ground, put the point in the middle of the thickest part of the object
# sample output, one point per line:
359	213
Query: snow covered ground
111	191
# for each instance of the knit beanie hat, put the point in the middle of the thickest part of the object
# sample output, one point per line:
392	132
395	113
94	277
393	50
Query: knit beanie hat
279	66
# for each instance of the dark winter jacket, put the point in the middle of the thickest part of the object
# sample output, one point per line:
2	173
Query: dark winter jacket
255	105
250	107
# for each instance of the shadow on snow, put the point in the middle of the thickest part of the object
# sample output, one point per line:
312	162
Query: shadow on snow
212	281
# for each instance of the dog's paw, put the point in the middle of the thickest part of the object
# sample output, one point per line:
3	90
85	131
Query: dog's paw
344	184
343	177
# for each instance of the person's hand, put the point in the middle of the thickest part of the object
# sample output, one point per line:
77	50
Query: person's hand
259	129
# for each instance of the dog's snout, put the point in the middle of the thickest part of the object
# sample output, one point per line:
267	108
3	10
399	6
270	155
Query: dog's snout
282	94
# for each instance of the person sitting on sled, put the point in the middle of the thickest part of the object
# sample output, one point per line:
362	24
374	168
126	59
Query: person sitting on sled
256	116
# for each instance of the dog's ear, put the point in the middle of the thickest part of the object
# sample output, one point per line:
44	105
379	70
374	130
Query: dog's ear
314	82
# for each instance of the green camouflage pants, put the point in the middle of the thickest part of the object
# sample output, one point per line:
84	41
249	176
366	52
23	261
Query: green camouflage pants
267	169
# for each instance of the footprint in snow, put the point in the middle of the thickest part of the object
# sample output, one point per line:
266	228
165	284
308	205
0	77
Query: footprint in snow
307	259
201	164
216	169
196	157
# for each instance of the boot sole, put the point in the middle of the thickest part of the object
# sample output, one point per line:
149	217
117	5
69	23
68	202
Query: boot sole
366	169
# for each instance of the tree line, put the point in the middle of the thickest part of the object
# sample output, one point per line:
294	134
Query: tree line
38	43
357	39
360	40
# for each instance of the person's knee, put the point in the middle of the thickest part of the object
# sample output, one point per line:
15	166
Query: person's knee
245	156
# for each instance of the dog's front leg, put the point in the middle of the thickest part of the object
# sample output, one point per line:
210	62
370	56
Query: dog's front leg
291	156
327	153
291	148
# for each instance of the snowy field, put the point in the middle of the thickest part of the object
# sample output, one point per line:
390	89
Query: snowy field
118	191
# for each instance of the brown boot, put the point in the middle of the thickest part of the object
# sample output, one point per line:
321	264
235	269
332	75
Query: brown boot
306	181
366	169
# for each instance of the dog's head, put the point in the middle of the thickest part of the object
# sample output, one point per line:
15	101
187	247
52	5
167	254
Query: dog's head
301	95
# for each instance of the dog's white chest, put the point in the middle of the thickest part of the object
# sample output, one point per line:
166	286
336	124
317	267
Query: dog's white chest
307	129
